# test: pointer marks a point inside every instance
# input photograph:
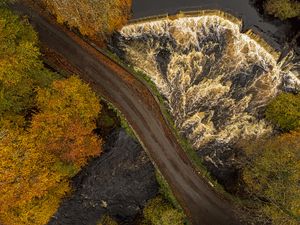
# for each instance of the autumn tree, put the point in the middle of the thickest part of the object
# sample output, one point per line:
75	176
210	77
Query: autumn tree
67	117
272	176
46	128
36	163
107	220
29	176
96	19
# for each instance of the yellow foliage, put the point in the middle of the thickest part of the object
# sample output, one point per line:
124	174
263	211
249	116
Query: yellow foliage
37	163
67	118
26	176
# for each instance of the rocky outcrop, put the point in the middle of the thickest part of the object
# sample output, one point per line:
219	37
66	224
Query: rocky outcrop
118	183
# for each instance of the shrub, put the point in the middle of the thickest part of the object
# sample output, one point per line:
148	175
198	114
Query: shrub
159	212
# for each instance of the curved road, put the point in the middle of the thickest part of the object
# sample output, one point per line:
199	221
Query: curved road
200	202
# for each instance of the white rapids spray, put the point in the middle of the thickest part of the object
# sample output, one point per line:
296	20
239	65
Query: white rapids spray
215	79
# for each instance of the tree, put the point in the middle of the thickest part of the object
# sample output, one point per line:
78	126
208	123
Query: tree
67	117
160	212
28	177
37	163
284	111
21	70
283	9
96	19
272	174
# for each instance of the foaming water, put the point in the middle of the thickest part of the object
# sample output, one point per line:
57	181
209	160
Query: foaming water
216	80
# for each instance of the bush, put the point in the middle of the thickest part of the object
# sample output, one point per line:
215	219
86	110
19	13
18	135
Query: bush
159	212
284	111
283	9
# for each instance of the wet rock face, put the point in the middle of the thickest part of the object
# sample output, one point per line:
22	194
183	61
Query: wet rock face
118	183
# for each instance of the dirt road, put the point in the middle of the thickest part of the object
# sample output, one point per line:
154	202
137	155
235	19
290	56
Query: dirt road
200	202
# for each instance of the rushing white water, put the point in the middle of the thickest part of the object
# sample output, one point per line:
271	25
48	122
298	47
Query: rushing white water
215	79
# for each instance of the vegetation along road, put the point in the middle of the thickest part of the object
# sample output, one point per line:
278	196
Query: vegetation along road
201	203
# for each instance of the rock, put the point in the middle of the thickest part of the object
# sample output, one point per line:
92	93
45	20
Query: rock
118	183
219	159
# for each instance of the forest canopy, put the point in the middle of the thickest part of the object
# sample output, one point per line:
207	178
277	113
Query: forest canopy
46	128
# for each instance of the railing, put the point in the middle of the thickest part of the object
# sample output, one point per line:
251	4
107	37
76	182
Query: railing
265	45
180	14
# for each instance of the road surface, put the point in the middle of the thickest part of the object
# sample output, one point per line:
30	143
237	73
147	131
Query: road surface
201	203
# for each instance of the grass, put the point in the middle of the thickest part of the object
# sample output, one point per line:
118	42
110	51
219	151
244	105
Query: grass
123	121
166	192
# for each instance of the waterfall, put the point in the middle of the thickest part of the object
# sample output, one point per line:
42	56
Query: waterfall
216	81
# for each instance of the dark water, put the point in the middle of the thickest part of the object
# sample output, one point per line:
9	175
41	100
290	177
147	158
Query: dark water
118	183
274	31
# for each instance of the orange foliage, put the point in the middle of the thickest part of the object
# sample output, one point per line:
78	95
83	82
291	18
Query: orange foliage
64	125
36	164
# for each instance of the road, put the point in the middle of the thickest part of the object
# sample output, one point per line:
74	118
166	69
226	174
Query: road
201	203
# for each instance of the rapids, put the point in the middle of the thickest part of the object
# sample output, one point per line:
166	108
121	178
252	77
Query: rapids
216	80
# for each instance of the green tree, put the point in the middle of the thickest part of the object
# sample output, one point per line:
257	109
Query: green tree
272	173
5	2
21	70
283	9
284	111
